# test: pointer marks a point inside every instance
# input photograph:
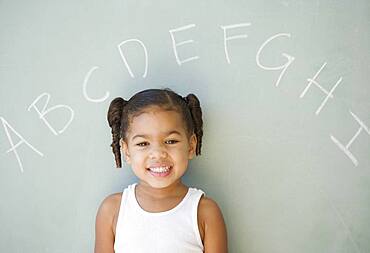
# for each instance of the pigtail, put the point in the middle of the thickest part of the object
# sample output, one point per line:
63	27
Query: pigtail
114	118
196	114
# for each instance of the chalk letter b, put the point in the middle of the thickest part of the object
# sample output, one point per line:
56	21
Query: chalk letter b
44	112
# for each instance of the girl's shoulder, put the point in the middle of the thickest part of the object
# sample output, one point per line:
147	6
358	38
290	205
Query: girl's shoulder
111	202
208	206
109	209
211	223
205	206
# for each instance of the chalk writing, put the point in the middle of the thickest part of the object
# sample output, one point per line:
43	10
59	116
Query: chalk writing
345	148
124	58
176	44
283	67
226	40
87	78
313	81
44	112
13	148
224	28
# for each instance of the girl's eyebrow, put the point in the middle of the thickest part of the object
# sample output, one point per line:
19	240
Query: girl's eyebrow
146	136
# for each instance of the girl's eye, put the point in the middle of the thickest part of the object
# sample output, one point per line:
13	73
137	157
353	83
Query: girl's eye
141	144
172	141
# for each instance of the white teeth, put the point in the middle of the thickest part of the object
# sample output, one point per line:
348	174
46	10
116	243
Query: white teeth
160	169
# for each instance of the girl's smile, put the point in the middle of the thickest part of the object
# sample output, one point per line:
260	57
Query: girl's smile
160	170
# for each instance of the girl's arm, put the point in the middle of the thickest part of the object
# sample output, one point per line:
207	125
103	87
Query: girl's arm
104	236
215	235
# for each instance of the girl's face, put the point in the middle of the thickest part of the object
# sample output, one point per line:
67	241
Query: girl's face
157	138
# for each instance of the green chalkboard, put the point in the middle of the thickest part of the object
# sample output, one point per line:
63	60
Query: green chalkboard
284	88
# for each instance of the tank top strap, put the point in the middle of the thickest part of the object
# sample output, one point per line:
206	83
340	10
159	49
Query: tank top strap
122	208
194	200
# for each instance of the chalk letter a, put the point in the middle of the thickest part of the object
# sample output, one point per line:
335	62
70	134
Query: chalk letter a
13	148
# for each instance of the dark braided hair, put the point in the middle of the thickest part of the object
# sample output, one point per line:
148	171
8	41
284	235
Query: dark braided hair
121	112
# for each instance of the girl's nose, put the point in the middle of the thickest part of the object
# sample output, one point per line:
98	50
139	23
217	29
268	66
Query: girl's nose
158	152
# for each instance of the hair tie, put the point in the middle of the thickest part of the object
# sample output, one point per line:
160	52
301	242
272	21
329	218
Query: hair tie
186	100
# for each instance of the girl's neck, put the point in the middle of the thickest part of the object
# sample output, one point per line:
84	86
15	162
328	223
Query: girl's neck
172	190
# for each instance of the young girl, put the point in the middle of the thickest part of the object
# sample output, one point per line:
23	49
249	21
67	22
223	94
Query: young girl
158	132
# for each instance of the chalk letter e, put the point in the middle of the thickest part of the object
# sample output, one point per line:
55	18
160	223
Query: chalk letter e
177	44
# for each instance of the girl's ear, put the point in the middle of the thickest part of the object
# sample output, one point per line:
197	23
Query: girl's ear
192	146
125	151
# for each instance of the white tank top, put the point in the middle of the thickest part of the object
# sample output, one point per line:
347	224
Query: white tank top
175	230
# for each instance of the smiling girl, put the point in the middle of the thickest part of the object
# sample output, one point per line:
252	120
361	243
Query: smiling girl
158	132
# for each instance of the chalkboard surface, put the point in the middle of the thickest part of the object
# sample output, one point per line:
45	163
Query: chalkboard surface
284	87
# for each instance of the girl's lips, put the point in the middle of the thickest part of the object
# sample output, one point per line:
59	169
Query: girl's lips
160	174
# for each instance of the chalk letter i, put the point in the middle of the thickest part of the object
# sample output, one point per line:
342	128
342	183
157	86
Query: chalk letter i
345	148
